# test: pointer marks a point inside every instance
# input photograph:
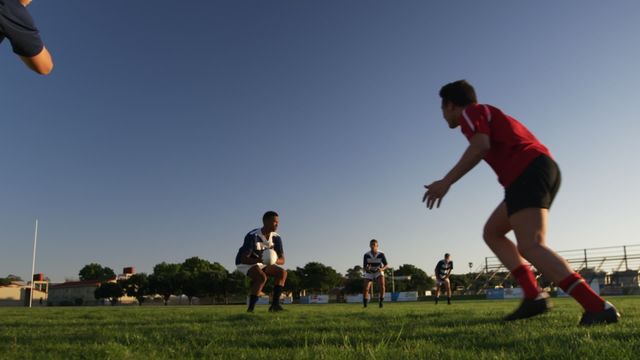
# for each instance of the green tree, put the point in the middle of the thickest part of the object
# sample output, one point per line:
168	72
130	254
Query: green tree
12	277
354	281
320	278
212	281
137	285
465	281
165	280
236	284
294	283
5	281
96	272
109	290
194	278
420	281
201	278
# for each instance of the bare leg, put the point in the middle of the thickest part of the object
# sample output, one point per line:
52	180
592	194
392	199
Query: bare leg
447	285
530	227
494	235
381	286
365	292
381	289
258	279
495	232
280	276
278	273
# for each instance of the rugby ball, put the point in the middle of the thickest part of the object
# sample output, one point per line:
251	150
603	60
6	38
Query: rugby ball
269	257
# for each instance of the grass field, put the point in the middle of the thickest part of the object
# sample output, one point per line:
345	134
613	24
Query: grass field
464	330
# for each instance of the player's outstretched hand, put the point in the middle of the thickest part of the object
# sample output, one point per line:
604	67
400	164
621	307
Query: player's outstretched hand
435	192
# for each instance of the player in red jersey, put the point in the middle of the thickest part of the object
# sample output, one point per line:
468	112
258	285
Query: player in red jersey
531	179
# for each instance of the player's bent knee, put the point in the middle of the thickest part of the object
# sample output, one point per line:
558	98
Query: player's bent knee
490	238
259	278
527	248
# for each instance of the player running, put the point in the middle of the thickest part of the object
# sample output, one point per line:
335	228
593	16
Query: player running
249	260
374	265
442	271
531	179
17	25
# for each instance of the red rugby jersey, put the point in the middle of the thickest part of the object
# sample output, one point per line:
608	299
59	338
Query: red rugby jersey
513	146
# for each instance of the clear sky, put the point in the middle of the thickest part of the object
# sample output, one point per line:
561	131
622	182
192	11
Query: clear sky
168	127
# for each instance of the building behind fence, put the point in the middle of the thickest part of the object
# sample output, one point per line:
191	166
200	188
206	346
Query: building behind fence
615	267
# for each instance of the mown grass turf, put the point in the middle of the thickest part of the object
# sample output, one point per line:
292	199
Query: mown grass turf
464	330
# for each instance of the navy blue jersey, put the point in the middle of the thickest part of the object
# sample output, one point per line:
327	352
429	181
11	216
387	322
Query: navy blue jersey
372	263
255	243
443	268
17	25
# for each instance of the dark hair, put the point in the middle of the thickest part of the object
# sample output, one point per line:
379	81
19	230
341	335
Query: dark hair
447	255
269	215
460	93
373	241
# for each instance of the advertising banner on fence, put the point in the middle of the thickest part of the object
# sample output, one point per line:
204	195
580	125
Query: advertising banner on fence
262	300
397	296
314	299
506	293
513	293
406	296
494	294
353	299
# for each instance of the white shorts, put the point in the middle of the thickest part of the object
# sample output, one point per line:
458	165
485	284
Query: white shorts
372	276
244	268
441	282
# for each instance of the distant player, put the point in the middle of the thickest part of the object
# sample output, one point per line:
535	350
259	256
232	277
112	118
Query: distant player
442	271
249	260
374	265
17	25
531	179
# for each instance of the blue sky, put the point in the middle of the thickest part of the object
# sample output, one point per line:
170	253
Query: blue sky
165	131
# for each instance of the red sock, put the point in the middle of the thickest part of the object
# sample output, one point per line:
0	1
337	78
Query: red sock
527	281
575	286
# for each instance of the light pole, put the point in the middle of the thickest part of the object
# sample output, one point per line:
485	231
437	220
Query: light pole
469	283
33	263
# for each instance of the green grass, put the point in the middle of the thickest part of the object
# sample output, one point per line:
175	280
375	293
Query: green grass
464	330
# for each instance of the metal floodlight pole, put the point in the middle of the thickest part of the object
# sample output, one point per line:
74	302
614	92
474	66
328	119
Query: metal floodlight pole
393	282
33	262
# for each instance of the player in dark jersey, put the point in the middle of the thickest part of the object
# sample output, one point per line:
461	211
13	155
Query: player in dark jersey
531	179
374	265
442	271
17	25
249	260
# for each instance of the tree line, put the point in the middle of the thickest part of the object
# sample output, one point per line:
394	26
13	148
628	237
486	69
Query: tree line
196	277
200	278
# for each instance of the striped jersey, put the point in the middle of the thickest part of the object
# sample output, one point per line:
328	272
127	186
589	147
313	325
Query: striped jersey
255	243
373	262
443	268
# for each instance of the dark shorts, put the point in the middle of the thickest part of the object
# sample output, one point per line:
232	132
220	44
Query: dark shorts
536	187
